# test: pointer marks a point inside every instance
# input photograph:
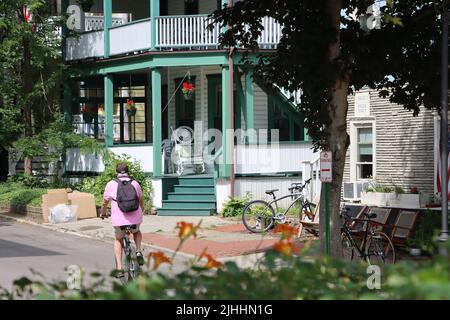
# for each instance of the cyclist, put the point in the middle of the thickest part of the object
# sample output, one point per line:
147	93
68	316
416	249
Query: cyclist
120	218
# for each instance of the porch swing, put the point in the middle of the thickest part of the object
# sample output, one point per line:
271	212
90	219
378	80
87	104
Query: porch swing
187	150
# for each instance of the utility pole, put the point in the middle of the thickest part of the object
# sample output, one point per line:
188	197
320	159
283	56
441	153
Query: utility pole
444	124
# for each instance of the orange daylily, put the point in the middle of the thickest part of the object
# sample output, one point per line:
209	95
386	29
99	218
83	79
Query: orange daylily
286	247
211	263
158	258
286	231
187	229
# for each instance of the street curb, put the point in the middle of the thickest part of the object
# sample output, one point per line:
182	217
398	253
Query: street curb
105	239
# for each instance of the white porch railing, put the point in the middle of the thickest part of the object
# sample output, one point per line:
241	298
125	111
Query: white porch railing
273	158
87	45
185	31
172	32
130	37
95	23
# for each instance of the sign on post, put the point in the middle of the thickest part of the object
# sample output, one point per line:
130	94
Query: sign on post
326	164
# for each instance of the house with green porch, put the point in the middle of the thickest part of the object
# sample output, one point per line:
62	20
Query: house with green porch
141	53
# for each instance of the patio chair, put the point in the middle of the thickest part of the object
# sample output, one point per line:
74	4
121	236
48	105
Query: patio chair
186	157
310	222
403	227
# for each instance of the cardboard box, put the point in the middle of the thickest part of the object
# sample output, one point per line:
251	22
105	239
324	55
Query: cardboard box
52	199
85	203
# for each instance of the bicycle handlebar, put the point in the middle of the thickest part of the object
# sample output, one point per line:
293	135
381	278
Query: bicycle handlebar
298	185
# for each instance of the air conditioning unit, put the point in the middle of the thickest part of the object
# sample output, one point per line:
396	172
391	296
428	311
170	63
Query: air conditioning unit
352	190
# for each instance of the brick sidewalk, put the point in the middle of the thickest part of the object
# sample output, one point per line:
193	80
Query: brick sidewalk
222	241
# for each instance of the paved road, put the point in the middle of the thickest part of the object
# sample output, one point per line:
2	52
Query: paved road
24	247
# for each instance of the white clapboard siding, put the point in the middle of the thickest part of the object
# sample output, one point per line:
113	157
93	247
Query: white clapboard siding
256	187
404	144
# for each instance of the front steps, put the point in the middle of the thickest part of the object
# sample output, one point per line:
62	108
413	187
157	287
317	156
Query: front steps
189	196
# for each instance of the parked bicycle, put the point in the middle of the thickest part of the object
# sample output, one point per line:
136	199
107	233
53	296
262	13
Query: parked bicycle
130	266
259	215
361	237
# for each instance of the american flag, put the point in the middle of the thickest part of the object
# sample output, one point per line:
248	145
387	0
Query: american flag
438	178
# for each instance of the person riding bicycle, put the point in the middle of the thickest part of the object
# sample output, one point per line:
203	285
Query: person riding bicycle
120	218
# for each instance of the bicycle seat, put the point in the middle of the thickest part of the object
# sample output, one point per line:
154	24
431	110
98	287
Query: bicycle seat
271	191
131	226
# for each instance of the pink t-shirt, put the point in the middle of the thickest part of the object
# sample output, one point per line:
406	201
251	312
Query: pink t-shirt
118	217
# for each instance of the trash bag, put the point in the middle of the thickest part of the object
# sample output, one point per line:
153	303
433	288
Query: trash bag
63	213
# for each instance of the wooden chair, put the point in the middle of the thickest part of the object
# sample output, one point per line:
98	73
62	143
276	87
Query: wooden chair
403	227
310	222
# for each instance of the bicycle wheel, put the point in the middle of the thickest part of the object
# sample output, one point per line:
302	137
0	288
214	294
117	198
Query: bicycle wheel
348	251
130	267
258	216
379	249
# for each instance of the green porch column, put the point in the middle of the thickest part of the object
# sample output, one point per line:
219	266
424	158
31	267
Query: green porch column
226	123
249	113
157	121
107	13
67	101
154	12
109	101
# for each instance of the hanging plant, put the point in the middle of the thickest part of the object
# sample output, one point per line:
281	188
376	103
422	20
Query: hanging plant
131	107
188	90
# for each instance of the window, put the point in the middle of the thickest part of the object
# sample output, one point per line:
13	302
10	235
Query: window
289	128
364	164
129	128
191	7
362	155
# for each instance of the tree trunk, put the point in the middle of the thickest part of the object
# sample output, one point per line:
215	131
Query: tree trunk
27	89
337	138
338	141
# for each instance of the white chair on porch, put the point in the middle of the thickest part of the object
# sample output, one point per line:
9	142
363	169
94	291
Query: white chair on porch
188	149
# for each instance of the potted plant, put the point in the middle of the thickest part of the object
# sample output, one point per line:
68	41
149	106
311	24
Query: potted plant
87	113
86	5
393	196
188	90
131	108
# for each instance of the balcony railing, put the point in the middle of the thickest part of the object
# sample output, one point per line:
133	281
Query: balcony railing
96	23
172	32
186	31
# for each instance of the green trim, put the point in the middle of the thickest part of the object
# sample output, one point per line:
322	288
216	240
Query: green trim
154	12
65	31
157	121
152	61
129	23
107	9
67	101
109	105
249	113
226	147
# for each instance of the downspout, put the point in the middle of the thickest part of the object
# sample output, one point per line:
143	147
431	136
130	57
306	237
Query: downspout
231	75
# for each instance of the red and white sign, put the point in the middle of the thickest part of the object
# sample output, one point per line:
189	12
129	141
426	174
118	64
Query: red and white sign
326	166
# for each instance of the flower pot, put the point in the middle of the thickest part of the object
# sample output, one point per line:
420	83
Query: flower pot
188	95
415	252
131	112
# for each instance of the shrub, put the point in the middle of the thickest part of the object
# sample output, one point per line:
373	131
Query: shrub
235	205
427	230
97	185
17	194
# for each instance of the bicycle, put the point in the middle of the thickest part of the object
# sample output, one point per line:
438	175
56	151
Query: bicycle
130	266
259	215
369	244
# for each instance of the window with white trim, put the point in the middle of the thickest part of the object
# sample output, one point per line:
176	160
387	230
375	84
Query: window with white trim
364	162
362	150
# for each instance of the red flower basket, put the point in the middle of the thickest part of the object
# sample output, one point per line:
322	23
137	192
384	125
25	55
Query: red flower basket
188	90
